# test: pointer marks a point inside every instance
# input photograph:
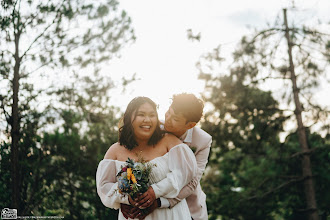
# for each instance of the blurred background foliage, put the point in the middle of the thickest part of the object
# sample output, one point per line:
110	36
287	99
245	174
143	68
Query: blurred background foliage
254	169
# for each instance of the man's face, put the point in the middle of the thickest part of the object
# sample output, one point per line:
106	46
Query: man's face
176	123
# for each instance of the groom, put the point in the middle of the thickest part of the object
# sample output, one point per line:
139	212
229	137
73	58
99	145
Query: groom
181	118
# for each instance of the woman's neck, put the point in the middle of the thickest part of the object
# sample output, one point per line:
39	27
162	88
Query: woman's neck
142	144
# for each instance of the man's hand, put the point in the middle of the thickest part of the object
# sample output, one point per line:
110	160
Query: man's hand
129	211
146	199
133	212
147	211
131	201
152	208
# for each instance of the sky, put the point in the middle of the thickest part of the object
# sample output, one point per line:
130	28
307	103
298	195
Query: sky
164	59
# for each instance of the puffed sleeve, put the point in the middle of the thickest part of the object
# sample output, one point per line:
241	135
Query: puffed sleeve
107	185
183	167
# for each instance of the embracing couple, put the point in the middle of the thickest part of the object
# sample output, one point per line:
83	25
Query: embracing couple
177	147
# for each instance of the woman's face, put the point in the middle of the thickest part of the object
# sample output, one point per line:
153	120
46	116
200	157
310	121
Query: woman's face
145	121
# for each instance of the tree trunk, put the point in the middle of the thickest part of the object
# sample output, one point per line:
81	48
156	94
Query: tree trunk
15	129
305	161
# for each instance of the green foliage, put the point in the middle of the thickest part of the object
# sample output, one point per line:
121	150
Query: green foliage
327	51
251	174
52	21
243	163
52	36
80	142
61	142
321	170
5	178
58	167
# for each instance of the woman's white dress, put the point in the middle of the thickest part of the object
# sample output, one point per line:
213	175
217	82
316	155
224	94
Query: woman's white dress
173	171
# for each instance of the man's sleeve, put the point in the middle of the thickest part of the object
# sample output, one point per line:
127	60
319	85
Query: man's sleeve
164	203
187	190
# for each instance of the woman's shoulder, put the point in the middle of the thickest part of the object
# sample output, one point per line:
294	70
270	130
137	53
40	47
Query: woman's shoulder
171	140
113	151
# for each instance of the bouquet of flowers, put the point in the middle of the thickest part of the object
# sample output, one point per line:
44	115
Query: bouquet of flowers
133	178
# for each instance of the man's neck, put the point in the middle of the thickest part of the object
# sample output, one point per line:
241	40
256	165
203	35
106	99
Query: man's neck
179	134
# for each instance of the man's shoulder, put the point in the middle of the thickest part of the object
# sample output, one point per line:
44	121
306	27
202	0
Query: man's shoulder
200	137
170	140
198	132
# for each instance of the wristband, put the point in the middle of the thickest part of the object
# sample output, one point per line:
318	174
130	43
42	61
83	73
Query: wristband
159	203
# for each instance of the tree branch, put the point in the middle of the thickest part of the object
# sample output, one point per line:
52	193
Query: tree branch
41	34
269	77
31	20
3	108
277	188
10	53
303	153
45	64
265	31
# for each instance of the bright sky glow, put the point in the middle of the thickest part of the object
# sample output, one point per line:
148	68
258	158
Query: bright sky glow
163	58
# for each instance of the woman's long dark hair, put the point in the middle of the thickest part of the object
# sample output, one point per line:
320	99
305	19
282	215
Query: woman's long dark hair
126	132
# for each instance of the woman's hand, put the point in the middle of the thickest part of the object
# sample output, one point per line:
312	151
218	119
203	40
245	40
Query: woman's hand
146	199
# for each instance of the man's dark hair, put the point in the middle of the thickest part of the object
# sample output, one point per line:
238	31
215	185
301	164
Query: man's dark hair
126	132
188	105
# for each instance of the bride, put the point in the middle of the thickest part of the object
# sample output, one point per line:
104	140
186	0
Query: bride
175	163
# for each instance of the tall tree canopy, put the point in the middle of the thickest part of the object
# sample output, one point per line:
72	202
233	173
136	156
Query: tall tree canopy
248	161
43	37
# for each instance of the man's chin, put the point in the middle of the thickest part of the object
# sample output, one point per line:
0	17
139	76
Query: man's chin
165	127
168	129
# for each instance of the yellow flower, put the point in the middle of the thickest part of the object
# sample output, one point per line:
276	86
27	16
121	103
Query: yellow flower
130	175
133	178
